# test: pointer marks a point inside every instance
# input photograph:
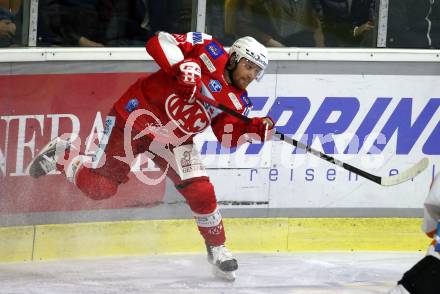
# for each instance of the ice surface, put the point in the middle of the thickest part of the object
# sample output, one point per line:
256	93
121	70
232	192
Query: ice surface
345	272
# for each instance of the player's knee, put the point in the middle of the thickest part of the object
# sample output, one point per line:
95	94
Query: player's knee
423	277
200	195
95	186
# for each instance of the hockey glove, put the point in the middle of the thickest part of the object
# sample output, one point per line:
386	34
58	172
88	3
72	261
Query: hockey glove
263	127
189	76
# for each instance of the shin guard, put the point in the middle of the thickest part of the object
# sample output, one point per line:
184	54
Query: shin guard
211	228
200	197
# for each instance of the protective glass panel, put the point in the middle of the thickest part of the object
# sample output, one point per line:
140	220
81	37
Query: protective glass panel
413	24
94	23
293	23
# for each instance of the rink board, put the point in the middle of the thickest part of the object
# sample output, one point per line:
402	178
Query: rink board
272	197
86	240
376	114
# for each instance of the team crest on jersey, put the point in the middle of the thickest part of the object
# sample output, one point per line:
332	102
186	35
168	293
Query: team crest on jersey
214	50
215	86
189	118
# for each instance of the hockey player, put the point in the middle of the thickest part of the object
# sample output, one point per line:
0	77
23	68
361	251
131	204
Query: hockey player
170	116
423	277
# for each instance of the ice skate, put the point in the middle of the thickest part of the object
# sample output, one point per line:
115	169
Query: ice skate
45	162
224	265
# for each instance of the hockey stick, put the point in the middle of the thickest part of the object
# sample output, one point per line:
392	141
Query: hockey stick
384	181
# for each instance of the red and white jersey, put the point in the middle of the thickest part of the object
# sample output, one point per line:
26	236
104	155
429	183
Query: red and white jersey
156	93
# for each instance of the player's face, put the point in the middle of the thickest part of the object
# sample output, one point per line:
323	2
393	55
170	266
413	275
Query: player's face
245	72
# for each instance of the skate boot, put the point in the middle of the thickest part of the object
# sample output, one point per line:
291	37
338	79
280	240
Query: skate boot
224	265
46	161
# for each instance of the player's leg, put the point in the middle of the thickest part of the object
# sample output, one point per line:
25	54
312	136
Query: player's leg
192	182
97	183
200	196
102	182
423	277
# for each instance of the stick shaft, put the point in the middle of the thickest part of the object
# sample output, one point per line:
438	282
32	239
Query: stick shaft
328	158
295	143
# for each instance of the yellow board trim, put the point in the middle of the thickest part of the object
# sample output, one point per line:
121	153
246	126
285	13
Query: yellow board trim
83	240
16	243
384	234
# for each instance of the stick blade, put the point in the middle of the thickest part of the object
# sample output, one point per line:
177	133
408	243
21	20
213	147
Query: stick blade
406	175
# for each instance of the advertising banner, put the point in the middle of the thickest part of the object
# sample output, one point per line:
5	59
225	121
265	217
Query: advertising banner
380	123
36	108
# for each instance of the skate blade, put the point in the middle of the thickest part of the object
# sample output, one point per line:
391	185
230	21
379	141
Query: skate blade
228	276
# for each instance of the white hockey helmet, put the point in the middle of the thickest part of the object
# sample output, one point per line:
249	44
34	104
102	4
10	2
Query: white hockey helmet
252	50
